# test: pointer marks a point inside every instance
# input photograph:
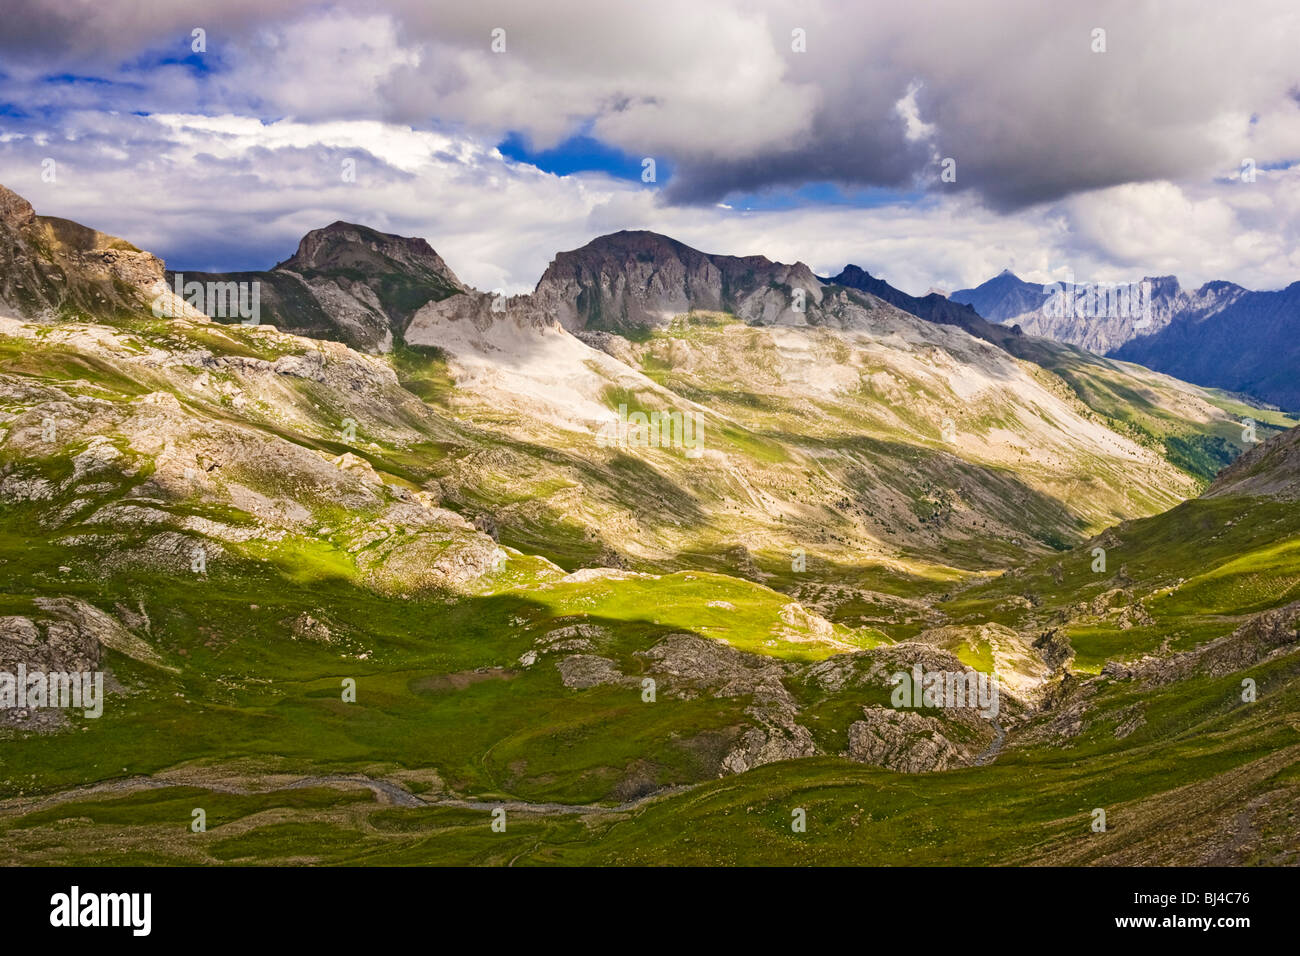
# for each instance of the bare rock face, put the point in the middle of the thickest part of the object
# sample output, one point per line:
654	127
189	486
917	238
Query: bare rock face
61	636
903	740
47	644
573	637
629	279
15	211
686	665
589	670
343	245
54	269
350	283
768	744
1008	299
105	629
637	279
477	315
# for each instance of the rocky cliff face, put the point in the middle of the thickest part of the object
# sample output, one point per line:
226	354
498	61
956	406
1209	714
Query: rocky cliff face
1229	337
54	269
349	283
631	280
1105	333
343	248
1009	300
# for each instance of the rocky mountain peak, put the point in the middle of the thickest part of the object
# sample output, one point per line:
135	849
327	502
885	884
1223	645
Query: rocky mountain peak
638	278
351	283
15	211
1165	286
934	306
851	275
343	247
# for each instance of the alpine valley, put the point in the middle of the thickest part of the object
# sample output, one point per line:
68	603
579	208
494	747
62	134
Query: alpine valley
365	577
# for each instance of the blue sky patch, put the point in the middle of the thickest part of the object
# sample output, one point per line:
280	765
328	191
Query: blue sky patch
822	194
581	154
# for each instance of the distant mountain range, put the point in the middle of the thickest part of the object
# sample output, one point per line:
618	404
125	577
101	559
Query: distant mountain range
1221	335
1246	343
363	287
351	283
1004	297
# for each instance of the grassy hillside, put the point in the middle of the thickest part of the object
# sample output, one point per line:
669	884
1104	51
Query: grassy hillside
498	590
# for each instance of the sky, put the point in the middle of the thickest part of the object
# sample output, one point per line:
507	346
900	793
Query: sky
1108	140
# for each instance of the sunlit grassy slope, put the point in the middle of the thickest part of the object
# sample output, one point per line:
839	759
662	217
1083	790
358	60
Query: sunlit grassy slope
379	568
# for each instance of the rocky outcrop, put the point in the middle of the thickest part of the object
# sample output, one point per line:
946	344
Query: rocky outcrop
105	629
903	740
47	644
53	269
589	670
1266	633
350	283
686	665
61	635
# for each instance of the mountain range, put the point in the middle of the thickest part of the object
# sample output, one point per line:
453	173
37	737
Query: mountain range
365	569
1220	335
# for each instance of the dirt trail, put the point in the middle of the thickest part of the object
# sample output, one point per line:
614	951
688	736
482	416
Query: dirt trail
384	790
